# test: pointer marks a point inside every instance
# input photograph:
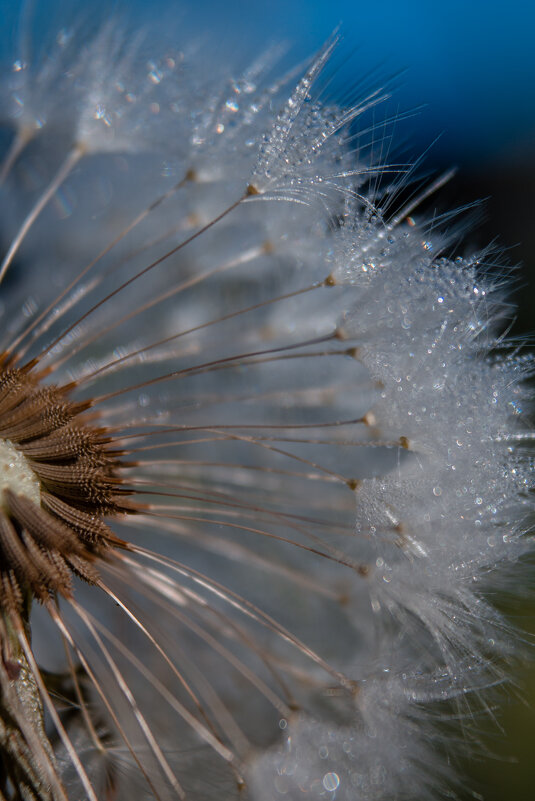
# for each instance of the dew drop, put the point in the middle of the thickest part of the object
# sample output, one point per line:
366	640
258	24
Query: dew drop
331	781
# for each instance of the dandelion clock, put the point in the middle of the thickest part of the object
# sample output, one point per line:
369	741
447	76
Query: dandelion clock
264	449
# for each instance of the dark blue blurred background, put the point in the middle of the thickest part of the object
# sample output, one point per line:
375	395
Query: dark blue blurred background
471	62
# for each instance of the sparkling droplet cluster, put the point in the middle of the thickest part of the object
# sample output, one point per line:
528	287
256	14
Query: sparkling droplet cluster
296	458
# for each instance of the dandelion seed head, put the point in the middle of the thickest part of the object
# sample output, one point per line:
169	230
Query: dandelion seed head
59	479
264	462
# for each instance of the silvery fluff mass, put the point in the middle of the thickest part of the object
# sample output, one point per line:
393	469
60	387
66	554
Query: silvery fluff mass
264	450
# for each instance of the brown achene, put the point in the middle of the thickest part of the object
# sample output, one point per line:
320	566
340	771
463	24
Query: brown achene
42	545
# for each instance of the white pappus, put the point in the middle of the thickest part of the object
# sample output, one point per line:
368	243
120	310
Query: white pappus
265	450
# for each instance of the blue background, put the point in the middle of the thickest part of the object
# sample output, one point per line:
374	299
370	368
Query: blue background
471	63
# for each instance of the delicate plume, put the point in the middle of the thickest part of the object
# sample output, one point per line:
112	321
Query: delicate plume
264	450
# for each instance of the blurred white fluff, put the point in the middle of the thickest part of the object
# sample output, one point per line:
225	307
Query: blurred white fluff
365	407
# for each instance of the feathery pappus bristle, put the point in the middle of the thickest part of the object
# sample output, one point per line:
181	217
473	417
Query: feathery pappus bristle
264	450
